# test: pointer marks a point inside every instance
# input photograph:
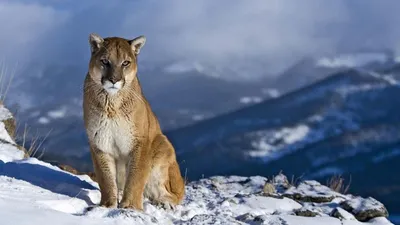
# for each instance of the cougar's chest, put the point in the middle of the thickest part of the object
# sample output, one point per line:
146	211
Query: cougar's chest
112	135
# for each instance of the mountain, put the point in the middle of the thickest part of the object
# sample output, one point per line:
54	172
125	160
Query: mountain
181	94
311	69
344	124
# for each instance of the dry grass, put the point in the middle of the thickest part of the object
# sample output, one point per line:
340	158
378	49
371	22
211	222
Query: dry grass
35	143
338	184
186	181
3	75
296	181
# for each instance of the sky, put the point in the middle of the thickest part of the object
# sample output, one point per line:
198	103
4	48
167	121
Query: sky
258	37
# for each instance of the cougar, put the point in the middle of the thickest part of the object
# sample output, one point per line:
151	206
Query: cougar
131	156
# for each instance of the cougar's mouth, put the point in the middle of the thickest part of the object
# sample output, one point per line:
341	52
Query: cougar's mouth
112	88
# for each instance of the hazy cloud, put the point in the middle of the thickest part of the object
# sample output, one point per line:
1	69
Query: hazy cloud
23	25
225	33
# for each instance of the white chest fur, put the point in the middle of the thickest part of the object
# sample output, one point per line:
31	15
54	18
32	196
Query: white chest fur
111	135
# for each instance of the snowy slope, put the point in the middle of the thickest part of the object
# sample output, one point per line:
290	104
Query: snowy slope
34	192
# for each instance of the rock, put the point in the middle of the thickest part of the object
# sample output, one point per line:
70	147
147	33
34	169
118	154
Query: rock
233	200
305	212
246	217
311	191
9	123
201	218
365	209
212	219
342	214
7	118
215	185
261	219
252	219
26	154
10	126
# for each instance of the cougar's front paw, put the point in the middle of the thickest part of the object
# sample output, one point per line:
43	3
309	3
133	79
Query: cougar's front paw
109	203
168	206
125	204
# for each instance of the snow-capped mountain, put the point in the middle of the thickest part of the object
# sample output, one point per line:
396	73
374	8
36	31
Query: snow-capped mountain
345	124
311	69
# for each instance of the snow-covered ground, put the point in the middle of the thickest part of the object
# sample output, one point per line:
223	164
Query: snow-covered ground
35	192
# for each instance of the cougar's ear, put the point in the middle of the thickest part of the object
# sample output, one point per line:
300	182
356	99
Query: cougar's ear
95	42
137	44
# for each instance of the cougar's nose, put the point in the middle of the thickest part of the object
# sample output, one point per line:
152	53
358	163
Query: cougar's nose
114	80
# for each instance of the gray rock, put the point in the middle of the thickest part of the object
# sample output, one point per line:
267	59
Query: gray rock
311	191
305	212
246	217
9	122
342	214
365	209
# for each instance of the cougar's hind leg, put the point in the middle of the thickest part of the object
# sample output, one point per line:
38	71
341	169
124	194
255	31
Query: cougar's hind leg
175	184
165	185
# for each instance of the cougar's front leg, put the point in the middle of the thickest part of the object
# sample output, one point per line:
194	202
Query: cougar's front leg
104	167
139	168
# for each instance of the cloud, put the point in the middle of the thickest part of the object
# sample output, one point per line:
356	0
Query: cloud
258	36
22	27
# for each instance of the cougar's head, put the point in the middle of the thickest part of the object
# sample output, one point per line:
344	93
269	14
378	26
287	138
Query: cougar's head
113	63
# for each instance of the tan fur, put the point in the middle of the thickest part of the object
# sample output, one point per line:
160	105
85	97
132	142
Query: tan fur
130	153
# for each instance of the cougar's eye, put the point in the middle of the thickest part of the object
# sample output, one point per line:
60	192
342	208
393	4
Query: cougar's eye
126	63
105	62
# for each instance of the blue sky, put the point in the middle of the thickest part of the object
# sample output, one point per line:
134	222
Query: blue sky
224	32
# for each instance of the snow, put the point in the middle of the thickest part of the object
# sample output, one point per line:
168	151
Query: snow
351	60
10	153
385	155
44	194
198	117
346	215
4	113
361	204
57	114
274	93
8	149
250	99
312	189
288	135
43	120
184	67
